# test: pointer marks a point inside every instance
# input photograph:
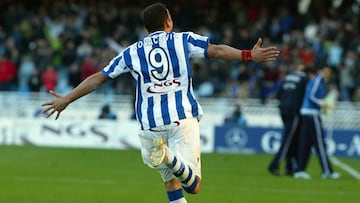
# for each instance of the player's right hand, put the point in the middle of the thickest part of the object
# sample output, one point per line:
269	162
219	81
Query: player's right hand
57	105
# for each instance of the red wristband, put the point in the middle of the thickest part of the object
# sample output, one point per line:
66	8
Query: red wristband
243	55
246	55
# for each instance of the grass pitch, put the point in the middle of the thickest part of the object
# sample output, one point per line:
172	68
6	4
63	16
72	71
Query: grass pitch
68	175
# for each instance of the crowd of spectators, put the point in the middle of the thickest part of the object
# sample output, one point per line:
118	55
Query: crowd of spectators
47	45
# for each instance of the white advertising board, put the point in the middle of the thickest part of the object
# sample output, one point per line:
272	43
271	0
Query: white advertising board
81	133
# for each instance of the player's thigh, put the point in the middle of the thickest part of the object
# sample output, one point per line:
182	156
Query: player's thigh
146	138
184	141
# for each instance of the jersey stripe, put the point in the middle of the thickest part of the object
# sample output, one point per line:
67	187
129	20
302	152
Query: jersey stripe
113	65
127	58
143	64
193	103
139	99
173	57
165	109
186	52
179	106
138	102
150	112
199	43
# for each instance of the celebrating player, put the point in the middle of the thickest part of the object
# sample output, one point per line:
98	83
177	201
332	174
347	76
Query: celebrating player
166	109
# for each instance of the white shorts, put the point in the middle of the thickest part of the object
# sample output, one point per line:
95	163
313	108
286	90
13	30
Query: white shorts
182	138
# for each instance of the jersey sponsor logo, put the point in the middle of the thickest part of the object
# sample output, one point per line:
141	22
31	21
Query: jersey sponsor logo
163	86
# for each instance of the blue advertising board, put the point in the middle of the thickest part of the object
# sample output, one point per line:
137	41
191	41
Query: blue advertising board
267	140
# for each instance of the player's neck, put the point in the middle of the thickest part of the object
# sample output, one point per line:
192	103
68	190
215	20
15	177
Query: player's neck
167	29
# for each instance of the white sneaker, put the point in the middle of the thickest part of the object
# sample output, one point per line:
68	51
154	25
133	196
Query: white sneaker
158	156
302	175
333	175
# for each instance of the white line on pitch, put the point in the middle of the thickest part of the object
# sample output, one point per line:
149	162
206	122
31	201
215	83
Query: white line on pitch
346	168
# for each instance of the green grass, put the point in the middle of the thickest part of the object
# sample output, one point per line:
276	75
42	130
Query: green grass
58	175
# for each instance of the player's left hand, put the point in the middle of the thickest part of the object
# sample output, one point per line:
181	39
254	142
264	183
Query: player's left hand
57	105
325	108
264	54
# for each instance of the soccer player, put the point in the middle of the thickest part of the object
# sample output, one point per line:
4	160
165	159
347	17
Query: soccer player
312	133
290	96
166	109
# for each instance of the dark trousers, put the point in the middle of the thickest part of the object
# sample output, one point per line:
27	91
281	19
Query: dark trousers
288	148
312	135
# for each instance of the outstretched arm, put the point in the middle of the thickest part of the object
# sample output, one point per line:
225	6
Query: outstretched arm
90	84
257	54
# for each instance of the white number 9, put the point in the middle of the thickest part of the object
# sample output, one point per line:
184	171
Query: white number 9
159	61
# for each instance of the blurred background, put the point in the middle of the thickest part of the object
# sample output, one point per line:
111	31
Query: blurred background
52	44
66	41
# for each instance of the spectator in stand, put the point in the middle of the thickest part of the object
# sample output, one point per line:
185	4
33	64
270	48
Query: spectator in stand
42	53
55	25
34	82
68	56
90	66
12	46
237	118
26	69
286	19
270	82
74	76
347	76
84	49
335	52
49	78
106	113
8	73
307	56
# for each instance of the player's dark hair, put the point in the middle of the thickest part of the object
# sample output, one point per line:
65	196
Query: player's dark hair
154	17
310	70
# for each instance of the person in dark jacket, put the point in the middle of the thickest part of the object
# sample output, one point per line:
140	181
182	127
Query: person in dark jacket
290	97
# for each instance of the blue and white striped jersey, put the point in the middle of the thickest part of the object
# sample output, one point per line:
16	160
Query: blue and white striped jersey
314	95
160	64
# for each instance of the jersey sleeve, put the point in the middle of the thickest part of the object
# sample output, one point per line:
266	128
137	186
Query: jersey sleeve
317	91
197	45
115	67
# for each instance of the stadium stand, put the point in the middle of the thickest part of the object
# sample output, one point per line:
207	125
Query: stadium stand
77	38
69	40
